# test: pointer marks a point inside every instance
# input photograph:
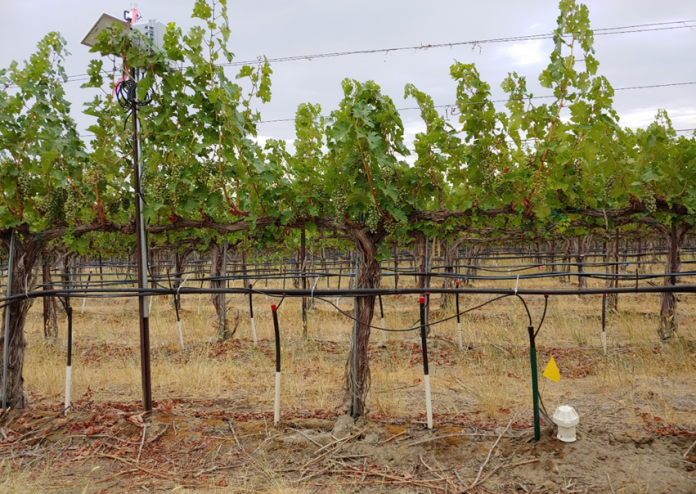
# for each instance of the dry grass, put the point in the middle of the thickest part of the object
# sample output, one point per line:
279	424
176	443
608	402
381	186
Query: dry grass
489	378
495	369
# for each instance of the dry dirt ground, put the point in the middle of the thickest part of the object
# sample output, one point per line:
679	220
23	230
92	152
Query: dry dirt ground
207	446
212	428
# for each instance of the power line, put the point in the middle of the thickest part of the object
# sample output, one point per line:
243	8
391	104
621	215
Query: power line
635	28
532	37
455	105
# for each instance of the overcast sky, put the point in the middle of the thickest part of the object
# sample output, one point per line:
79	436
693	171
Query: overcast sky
303	27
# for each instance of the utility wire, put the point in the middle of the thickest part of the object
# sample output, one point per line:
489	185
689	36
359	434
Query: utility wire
636	28
454	106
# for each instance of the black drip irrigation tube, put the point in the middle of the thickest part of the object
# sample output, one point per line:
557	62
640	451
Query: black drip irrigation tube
459	321
604	323
276	330
68	368
426	371
251	313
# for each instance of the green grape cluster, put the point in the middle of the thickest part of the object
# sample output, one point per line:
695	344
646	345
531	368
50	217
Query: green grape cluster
93	175
51	204
608	185
489	177
650	202
24	186
340	205
156	188
215	181
373	219
391	227
72	206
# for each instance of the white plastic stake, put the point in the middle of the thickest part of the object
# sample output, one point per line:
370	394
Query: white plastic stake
428	401
459	332
181	334
276	408
253	329
604	341
68	382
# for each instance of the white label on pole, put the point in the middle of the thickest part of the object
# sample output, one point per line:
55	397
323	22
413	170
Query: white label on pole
253	329
68	382
428	401
276	408
84	300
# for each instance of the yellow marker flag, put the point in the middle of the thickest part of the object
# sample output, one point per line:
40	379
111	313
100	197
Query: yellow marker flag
552	371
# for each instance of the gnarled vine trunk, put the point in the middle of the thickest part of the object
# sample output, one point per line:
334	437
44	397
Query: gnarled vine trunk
551	256
357	372
27	253
582	246
50	306
218	269
668	310
565	260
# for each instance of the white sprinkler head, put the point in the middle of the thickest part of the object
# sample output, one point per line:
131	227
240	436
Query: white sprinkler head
566	418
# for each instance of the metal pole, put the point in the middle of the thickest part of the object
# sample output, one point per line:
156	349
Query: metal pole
6	340
143	309
535	382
